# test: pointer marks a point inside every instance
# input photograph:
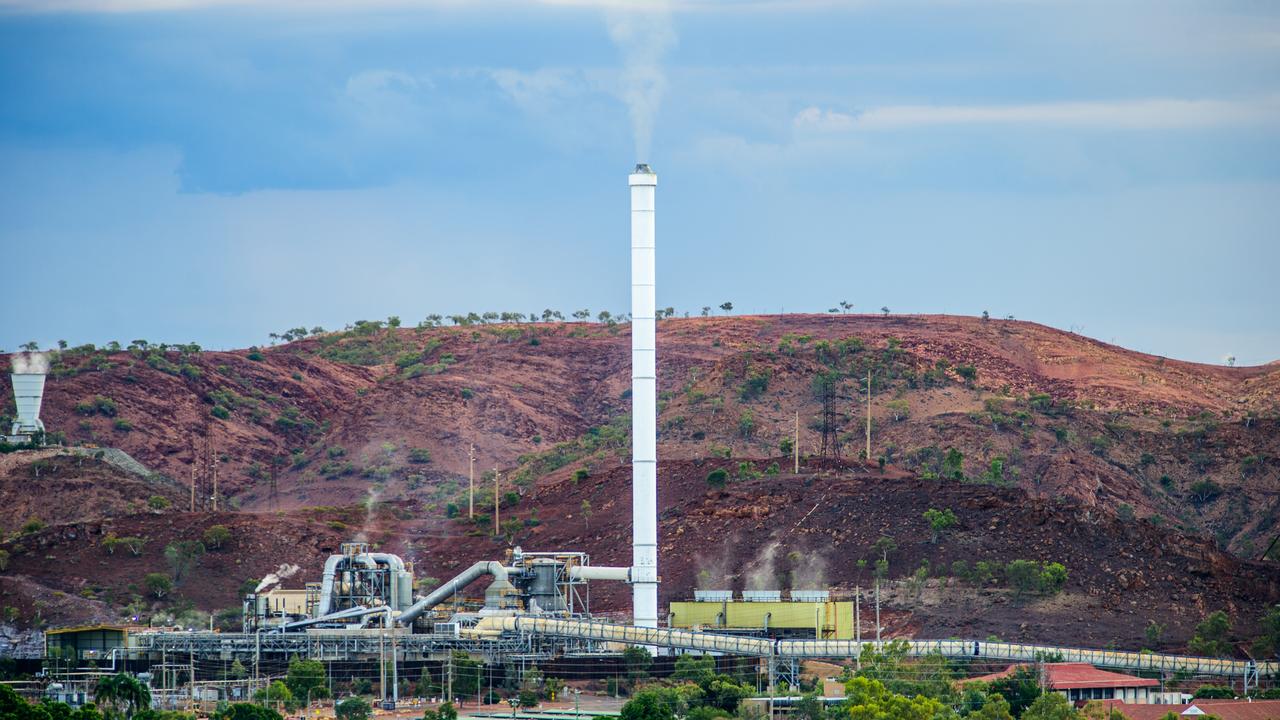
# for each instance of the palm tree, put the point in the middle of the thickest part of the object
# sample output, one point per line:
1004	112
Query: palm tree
123	691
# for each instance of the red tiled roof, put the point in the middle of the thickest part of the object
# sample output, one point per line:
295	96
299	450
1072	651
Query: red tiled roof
1070	676
1225	709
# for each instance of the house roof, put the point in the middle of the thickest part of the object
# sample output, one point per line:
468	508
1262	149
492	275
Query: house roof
1073	676
1225	709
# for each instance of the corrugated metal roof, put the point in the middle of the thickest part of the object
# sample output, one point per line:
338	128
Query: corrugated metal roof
88	628
1224	709
1070	676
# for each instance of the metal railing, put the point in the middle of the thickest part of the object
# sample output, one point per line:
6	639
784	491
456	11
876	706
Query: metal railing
762	647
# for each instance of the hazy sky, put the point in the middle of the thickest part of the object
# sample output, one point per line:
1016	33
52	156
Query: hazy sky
210	171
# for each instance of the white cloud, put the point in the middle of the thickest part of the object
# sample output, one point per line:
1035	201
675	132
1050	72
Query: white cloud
1146	114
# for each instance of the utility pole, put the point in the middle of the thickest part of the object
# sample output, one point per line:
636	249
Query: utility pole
448	683
382	668
869	417
497	508
471	482
857	622
877	615
795	444
215	483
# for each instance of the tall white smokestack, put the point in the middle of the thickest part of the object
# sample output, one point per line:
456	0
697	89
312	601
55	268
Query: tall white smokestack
644	403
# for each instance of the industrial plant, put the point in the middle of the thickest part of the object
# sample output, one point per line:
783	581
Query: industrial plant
535	609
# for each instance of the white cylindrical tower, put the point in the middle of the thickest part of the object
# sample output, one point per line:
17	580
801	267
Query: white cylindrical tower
644	403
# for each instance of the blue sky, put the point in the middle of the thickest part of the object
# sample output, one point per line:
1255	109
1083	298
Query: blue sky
209	171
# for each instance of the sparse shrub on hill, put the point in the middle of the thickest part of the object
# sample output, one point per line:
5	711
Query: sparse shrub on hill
220	412
105	405
217	536
718	477
939	522
419	456
1204	491
157	502
756	384
158	584
182	556
1211	636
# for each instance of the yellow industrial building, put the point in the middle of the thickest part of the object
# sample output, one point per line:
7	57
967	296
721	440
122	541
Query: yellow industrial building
767	614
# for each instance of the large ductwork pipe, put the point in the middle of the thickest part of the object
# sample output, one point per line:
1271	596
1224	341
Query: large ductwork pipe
401	582
600	572
500	586
28	392
644	401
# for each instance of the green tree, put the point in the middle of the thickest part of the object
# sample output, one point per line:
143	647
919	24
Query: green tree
1211	636
646	706
585	511
1050	706
13	706
995	708
1019	689
353	708
306	680
217	536
637	660
182	555
1023	576
1268	641
277	693
953	464
694	668
122	692
868	699
468	674
158	584
939	522
1053	577
1154	633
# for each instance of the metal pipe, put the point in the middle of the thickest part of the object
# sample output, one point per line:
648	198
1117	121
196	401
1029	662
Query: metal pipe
463	579
600	572
644	399
326	584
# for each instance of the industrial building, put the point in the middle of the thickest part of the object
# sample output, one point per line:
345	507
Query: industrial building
804	614
1082	682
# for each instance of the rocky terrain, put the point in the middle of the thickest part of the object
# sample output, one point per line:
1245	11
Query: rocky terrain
1155	482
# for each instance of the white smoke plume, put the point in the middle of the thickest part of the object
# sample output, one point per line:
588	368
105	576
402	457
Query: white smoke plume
643	33
762	573
370	503
808	572
34	363
714	573
284	571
